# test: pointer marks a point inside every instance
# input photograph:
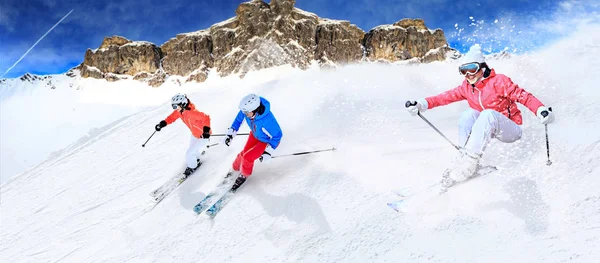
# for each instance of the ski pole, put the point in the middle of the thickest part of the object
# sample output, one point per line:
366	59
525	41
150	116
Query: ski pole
408	104
223	134
144	145
545	113
211	145
301	153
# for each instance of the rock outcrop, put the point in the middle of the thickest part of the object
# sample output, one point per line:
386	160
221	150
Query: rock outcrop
120	56
338	42
405	39
185	53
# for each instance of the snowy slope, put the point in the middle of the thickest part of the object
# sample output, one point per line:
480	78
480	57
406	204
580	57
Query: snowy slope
48	113
89	202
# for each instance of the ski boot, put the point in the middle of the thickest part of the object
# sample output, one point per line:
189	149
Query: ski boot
188	171
238	182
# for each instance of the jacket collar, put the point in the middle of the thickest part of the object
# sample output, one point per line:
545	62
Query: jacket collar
267	106
190	106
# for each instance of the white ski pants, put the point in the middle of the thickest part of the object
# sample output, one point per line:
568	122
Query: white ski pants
476	129
194	151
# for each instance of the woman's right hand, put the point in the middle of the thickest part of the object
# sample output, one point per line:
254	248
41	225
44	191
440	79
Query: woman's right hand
414	107
160	125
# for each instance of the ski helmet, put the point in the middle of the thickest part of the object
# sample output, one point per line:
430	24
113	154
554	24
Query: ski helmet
249	103
179	100
473	55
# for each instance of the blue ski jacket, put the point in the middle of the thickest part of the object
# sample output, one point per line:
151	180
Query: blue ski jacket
264	126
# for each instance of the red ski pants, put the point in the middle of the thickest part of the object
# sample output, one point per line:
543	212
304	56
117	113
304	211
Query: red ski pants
244	161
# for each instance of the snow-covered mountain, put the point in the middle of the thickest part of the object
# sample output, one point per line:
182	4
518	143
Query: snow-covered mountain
88	201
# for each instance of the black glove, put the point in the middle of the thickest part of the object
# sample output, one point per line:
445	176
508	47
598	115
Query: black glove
228	139
229	136
160	125
206	132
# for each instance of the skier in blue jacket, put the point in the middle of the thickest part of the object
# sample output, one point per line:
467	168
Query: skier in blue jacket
264	137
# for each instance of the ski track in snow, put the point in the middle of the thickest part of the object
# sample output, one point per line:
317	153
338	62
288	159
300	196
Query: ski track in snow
89	201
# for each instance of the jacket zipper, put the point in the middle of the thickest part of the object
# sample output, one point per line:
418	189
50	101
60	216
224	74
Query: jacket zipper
480	103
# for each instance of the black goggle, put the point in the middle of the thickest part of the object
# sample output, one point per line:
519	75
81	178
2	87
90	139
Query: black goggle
469	68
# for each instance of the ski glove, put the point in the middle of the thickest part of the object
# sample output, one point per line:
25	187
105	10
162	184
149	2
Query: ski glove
229	136
205	132
160	125
414	107
266	156
545	114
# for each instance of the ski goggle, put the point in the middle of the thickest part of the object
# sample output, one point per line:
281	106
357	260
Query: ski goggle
182	105
469	68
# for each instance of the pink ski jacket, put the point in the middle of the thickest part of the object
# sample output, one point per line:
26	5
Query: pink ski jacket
496	92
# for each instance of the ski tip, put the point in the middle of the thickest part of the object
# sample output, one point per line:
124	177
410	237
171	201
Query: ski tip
211	215
198	209
400	193
394	205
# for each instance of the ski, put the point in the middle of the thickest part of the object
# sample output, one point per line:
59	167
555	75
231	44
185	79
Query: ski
216	208
481	171
426	193
215	195
219	204
164	190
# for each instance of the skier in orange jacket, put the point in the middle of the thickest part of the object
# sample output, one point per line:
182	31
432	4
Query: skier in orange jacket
198	123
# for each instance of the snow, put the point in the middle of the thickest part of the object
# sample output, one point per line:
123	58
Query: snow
133	43
233	51
92	68
326	21
138	43
223	23
204	32
432	31
295	44
37	121
88	201
388	27
305	13
393	27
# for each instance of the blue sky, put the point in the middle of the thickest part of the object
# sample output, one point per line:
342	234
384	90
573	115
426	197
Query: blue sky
22	23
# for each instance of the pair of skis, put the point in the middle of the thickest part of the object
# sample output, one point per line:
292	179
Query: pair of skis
165	189
428	192
212	203
216	199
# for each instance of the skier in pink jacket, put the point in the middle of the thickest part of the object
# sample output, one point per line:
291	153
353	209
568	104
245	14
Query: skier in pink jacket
493	112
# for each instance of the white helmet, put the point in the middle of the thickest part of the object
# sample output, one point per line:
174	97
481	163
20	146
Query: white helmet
249	103
473	55
179	100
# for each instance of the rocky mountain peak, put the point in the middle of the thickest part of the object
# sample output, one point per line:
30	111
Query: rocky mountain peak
263	35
